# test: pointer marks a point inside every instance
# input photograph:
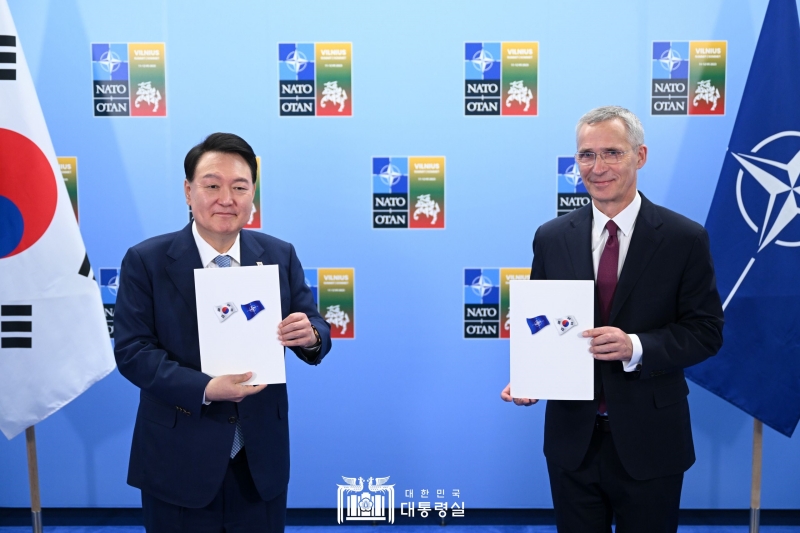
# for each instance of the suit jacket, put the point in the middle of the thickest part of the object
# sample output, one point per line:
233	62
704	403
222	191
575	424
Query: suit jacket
667	295
181	448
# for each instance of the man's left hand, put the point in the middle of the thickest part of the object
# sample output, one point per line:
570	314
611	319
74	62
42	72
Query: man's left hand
610	344
296	330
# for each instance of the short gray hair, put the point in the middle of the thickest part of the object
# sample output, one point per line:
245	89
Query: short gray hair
601	114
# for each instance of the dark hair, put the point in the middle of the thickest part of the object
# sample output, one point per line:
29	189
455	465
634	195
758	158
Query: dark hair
227	143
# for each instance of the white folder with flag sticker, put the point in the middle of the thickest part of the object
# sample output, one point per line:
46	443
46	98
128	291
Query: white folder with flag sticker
238	312
550	359
54	339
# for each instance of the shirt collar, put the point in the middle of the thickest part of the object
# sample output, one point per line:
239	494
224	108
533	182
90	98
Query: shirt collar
625	219
208	253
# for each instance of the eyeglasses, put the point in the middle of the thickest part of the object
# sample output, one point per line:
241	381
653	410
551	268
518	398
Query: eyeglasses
610	157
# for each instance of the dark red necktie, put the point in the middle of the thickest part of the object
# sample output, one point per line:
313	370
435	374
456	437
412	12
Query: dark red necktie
607	284
607	272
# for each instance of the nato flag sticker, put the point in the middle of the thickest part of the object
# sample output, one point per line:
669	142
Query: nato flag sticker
537	323
252	309
225	311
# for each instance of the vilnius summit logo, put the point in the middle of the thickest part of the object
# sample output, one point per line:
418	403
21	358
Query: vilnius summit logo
129	80
408	192
501	78
688	77
334	293
315	79
487	301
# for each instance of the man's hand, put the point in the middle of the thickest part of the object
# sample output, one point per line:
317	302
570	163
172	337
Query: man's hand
229	388
506	396
296	330
610	344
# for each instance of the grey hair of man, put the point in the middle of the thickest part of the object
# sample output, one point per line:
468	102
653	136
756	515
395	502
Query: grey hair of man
602	114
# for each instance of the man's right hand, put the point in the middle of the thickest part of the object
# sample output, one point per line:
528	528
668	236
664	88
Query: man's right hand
229	388
506	396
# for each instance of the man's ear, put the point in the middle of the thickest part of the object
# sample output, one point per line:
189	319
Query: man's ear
641	153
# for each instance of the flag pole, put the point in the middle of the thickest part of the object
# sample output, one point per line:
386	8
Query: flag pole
755	484
33	480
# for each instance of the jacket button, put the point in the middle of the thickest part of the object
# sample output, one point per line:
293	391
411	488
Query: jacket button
232	420
639	366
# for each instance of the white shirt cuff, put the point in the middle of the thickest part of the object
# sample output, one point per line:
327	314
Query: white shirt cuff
204	399
636	358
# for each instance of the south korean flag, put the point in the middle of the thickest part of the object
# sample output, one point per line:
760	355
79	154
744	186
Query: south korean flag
225	311
565	324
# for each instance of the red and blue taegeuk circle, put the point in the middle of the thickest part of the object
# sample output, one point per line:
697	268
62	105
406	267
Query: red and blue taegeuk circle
28	193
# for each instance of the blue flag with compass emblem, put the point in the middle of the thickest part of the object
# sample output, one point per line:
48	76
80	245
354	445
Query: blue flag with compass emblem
754	226
537	323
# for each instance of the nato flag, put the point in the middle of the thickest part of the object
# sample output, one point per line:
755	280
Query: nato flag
252	309
754	229
537	323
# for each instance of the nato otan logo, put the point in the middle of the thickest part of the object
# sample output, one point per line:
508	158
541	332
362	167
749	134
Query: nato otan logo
109	283
487	301
357	502
501	78
315	79
688	77
481	303
408	192
119	69
571	193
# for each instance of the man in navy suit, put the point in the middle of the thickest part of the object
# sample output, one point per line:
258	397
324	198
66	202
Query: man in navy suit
209	454
622	456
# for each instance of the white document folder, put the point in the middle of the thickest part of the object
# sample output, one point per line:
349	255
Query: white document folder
550	360
238	312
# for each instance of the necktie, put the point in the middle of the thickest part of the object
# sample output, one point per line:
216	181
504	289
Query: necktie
606	285
224	261
607	272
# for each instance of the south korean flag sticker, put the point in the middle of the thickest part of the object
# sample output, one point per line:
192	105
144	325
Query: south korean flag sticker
565	324
225	311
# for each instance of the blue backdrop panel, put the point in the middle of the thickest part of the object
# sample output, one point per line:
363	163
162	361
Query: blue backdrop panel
410	398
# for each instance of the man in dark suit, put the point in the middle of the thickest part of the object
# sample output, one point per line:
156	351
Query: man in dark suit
209	454
623	455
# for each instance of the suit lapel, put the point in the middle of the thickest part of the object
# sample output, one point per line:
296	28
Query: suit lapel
579	243
644	242
251	250
186	259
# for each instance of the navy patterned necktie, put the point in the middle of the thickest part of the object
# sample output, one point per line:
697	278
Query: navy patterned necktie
224	261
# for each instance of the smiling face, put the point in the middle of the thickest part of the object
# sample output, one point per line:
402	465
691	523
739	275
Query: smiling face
612	187
221	197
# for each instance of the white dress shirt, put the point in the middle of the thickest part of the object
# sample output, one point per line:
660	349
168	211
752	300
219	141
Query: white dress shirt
208	253
625	221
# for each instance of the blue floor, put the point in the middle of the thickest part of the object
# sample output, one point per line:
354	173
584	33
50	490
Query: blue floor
407	529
